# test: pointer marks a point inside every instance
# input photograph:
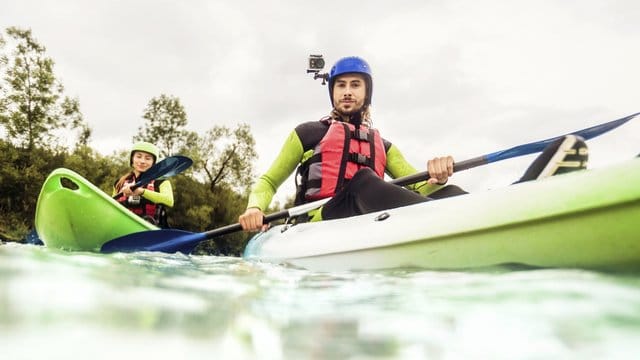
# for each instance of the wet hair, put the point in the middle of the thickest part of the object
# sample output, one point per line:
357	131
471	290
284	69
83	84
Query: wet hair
118	185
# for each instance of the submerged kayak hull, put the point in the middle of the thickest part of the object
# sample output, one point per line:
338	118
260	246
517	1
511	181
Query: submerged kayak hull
586	219
73	214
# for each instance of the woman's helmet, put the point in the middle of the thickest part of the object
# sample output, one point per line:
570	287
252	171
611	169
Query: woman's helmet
351	64
146	147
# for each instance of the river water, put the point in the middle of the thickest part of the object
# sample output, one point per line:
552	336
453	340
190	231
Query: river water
64	305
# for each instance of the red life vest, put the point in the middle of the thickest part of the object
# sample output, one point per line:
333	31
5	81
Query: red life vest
143	207
339	155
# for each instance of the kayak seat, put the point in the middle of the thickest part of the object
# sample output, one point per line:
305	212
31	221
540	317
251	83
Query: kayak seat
567	154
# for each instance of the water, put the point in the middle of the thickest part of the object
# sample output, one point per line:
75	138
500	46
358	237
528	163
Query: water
62	305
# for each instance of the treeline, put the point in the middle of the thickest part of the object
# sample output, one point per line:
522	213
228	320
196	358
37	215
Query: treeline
37	120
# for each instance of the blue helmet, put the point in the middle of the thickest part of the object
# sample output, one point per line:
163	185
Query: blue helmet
351	64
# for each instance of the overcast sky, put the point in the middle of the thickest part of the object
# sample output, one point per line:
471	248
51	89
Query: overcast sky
463	78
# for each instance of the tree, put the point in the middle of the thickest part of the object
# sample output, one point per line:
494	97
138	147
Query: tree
166	122
33	106
223	164
3	64
226	157
22	173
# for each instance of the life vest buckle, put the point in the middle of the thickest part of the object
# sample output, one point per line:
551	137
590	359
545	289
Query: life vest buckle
359	159
361	134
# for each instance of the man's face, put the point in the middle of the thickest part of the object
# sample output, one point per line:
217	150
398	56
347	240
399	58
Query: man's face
349	92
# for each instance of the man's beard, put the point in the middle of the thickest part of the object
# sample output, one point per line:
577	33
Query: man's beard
351	112
354	116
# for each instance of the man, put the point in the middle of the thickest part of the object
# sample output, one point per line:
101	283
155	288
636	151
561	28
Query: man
314	147
343	157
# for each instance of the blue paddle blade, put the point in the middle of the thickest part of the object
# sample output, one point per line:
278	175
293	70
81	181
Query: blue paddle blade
538	146
166	240
183	163
168	167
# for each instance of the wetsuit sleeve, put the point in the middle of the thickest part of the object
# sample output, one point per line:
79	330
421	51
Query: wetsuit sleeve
163	196
397	166
284	164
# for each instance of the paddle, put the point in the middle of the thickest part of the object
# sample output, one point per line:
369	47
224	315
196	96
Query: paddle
170	240
167	167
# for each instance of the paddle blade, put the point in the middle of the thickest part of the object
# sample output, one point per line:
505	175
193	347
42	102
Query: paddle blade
538	146
168	167
165	240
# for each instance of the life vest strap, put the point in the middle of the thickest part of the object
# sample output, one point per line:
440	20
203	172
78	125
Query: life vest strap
360	159
361	134
345	156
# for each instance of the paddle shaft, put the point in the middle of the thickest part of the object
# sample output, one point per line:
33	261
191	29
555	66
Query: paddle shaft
279	215
305	208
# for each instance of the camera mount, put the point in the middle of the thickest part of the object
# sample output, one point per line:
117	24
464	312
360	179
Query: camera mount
316	63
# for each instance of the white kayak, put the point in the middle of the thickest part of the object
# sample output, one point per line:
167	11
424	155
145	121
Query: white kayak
585	219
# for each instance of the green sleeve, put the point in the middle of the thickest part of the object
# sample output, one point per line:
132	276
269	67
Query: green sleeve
281	168
164	195
397	166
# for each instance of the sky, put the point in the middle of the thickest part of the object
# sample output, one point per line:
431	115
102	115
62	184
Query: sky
456	77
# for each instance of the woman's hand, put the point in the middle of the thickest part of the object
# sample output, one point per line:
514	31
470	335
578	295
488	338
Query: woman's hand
252	220
440	169
126	190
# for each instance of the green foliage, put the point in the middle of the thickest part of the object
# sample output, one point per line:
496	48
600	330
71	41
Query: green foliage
3	64
32	110
192	205
166	121
100	170
197	209
21	175
32	103
225	157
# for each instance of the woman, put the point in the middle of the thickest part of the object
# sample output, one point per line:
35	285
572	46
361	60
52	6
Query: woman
147	201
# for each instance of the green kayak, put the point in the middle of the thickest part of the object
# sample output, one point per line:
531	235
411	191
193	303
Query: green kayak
585	219
73	214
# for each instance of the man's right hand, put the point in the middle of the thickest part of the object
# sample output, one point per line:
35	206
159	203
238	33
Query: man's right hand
252	220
